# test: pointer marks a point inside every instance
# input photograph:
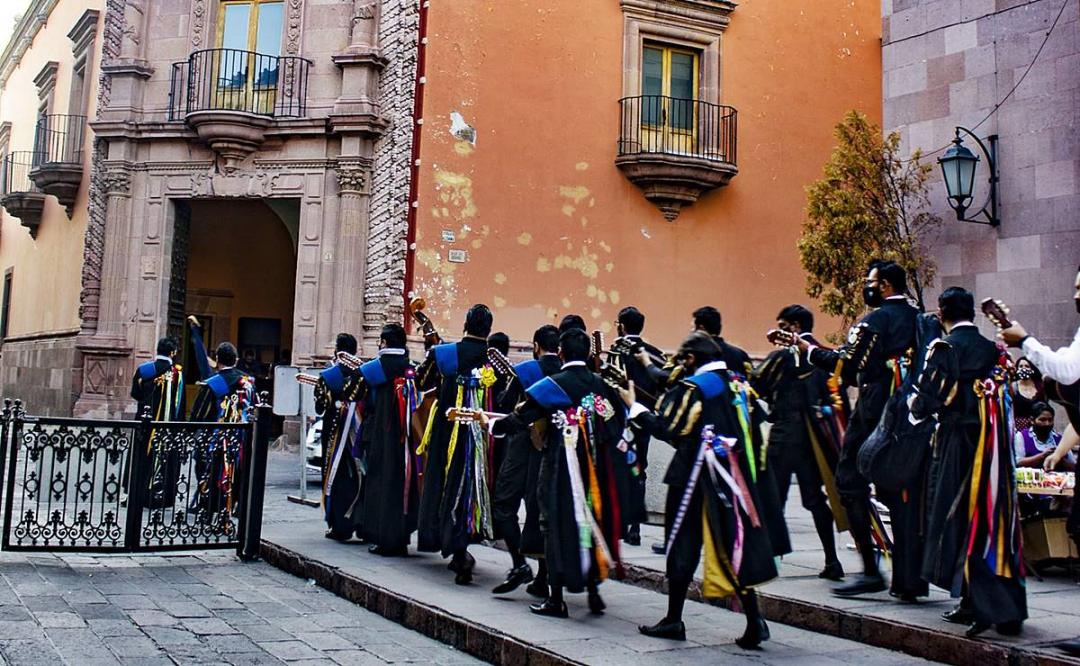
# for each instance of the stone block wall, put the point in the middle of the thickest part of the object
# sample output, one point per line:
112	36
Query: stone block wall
42	373
947	63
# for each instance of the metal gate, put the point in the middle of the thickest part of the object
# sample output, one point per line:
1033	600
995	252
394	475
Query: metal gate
100	485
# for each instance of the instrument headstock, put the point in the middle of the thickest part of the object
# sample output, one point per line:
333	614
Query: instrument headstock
997	312
416	309
500	363
597	347
309	380
625	347
350	361
782	338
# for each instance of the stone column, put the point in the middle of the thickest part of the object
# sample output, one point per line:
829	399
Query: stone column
352	246
129	70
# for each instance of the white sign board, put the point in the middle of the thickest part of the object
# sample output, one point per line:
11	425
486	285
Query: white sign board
286	390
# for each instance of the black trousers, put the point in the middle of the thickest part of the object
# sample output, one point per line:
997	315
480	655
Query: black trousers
787	458
517	480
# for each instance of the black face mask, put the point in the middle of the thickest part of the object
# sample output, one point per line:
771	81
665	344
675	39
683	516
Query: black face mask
1025	373
1042	432
872	296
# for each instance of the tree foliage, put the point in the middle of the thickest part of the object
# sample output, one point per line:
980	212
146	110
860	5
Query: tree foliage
870	204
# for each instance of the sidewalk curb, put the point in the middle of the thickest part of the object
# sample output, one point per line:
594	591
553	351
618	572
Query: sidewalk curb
469	637
915	640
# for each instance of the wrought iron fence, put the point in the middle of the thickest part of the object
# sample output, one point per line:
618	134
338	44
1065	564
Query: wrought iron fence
90	485
15	173
688	127
234	80
59	138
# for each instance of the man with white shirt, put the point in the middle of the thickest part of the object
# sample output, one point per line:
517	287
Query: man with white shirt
1062	365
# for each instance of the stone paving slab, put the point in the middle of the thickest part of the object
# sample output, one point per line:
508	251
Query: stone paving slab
419	593
798	598
188	609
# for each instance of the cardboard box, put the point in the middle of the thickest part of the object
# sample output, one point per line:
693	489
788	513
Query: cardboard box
1046	538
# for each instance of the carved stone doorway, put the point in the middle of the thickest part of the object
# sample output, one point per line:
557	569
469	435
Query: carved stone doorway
234	267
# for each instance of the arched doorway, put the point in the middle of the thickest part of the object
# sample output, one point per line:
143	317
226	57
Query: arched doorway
234	267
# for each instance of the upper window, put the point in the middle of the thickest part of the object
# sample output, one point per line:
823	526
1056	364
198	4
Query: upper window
669	81
251	25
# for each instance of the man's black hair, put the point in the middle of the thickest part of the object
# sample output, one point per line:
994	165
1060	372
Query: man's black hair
708	319
891	272
167	347
478	321
572	321
225	355
957	304
633	322
702	346
500	341
393	335
575	345
345	342
797	314
547	338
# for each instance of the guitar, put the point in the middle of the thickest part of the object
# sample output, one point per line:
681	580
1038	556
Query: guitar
1066	394
616	377
431	336
997	312
469	415
500	364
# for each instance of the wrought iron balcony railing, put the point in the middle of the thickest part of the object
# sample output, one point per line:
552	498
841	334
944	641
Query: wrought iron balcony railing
673	126
15	173
234	80
59	139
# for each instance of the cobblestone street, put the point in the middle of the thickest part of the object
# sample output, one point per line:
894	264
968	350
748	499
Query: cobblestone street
199	608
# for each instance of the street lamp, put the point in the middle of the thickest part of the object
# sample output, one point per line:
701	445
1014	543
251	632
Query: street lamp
958	166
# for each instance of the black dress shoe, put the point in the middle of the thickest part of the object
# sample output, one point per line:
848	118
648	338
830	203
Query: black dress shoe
515	578
596	604
549	608
864	584
538	589
659	548
633	536
1012	628
463	568
905	597
959	615
383	551
832	571
336	536
674	631
1070	647
755	635
976	628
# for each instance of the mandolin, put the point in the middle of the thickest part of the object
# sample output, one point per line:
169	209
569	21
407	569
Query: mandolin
431	336
782	338
997	312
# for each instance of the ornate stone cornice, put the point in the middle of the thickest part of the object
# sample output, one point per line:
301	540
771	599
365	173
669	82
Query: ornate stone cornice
711	15
33	20
83	32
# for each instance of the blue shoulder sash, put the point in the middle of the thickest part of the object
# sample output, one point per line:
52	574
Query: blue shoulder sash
374	373
446	357
710	384
529	372
219	385
148	370
549	394
334	376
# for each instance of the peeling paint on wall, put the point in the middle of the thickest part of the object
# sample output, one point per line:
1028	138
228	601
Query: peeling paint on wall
462	130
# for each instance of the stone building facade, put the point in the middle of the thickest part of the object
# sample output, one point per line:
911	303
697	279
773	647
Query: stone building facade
236	148
947	63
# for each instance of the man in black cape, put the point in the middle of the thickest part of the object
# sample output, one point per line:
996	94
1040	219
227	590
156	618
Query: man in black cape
973	544
872	359
630	324
158	389
339	400
710	498
576	487
455	487
797	392
519	472
391	484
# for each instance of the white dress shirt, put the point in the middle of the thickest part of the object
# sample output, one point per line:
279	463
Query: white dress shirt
1062	365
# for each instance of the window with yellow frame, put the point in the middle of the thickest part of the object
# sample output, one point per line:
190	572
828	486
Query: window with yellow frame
249	36
669	86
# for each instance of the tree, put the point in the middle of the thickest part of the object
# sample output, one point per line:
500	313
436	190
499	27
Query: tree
870	204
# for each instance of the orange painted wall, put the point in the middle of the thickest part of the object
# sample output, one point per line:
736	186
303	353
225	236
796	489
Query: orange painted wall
551	226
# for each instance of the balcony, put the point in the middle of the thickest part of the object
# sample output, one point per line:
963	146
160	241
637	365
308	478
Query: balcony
58	157
676	150
230	97
18	193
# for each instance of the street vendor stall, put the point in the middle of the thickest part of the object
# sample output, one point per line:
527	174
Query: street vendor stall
1045	536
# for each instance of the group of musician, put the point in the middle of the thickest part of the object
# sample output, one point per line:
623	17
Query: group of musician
449	448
